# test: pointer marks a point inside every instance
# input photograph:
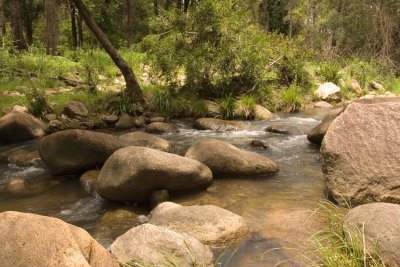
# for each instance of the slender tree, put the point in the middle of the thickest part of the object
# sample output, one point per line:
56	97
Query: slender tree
155	7
16	25
129	21
51	26
73	25
265	5
2	18
132	86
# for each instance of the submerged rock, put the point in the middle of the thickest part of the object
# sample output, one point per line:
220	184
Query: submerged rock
147	140
316	135
218	125
227	160
284	129
161	127
209	224
133	173
158	246
74	151
360	153
34	240
20	126
380	222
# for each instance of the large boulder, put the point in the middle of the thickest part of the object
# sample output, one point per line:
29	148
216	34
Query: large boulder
380	223
360	153
209	224
161	127
74	109
158	246
133	173
225	159
326	90
34	240
316	135
147	140
218	125
19	126
263	113
74	151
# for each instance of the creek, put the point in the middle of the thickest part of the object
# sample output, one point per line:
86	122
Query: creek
277	208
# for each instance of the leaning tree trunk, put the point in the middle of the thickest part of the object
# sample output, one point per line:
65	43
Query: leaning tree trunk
132	86
16	25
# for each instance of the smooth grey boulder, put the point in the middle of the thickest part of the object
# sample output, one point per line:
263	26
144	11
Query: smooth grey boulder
381	224
74	151
360	154
218	125
209	224
148	244
161	127
20	126
74	109
147	140
316	135
133	173
227	160
34	240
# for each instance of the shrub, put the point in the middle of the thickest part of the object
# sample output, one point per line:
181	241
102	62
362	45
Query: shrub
331	73
36	102
246	107
227	107
291	99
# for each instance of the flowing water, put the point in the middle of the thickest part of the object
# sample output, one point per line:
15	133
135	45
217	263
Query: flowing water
277	208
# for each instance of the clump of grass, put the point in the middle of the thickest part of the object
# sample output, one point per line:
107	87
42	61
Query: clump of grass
246	107
393	86
291	99
331	73
337	245
227	107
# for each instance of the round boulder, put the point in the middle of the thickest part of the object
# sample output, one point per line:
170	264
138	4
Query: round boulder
360	154
20	126
381	224
225	159
74	109
218	125
133	173
74	151
34	240
316	135
157	246
147	140
209	224
161	127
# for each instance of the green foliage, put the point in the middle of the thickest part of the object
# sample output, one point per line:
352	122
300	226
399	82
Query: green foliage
393	86
331	73
227	107
246	107
338	245
36	102
291	99
215	57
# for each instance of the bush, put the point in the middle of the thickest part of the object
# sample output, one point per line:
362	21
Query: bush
227	107
36	102
331	73
291	99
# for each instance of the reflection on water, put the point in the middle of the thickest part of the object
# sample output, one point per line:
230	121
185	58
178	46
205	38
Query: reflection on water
277	208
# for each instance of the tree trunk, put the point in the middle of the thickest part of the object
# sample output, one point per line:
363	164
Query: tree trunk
16	25
265	5
186	5
129	21
2	18
155	2
73	26
80	31
50	7
132	86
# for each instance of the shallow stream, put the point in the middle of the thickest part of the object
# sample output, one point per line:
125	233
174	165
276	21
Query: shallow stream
277	208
